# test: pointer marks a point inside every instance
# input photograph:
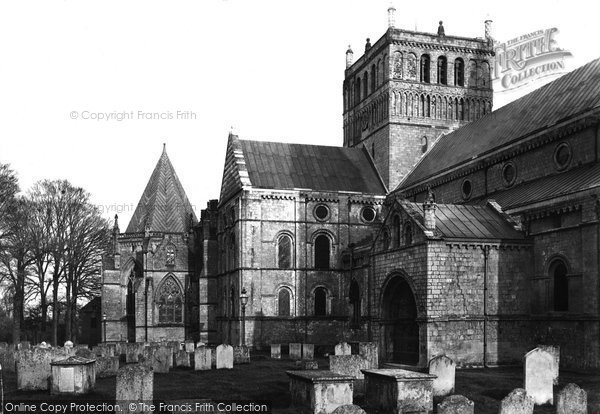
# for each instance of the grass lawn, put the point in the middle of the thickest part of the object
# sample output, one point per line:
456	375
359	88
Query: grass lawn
265	379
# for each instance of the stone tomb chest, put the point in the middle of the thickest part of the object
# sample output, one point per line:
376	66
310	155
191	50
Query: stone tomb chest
396	391
74	375
319	391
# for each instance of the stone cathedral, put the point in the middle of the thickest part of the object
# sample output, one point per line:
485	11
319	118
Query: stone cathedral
440	226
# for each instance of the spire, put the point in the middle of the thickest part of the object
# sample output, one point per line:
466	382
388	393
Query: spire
116	225
164	206
164	148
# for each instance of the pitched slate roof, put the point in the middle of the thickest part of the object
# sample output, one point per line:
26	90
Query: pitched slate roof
557	185
164	206
568	96
455	221
279	165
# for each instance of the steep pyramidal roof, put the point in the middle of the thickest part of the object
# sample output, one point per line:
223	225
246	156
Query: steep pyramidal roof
560	100
163	207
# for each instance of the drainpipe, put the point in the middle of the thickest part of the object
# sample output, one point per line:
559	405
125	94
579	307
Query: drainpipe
486	250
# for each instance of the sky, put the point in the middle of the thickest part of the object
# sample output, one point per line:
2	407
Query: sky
271	69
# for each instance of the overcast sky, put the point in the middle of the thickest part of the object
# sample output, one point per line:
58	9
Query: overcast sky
272	69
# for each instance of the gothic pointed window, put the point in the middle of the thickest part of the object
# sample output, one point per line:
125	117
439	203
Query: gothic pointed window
170	302
170	255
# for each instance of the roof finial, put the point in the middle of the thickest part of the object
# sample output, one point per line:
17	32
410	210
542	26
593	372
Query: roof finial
441	31
349	57
164	147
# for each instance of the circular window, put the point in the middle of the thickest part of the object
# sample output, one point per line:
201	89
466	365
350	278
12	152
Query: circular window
562	156
368	214
321	212
509	174
467	189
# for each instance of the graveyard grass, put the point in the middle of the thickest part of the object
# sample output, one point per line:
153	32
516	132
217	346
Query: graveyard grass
265	379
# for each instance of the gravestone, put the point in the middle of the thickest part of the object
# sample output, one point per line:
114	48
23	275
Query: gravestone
199	344
349	409
309	365
295	351
241	355
539	375
445	369
517	402
159	358
182	359
553	350
107	366
74	375
276	351
135	385
224	357
350	365
189	346
456	404
308	351
68	346
571	400
33	367
343	348
84	352
25	345
369	351
202	359
133	352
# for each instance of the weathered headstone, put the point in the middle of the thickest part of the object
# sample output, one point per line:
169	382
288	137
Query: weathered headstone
159	358
517	402
456	404
444	369
199	344
571	400
295	351
349	409
202	358
68	347
107	366
84	352
135	385
25	345
539	375
241	355
369	351
276	351
553	350
224	357
343	348
308	351
134	350
189	346
33	367
182	359
351	365
310	365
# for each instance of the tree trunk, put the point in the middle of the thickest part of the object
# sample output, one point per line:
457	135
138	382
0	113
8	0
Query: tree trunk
68	313
18	304
55	312
44	314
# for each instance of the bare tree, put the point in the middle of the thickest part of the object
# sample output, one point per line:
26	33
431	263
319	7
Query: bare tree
16	257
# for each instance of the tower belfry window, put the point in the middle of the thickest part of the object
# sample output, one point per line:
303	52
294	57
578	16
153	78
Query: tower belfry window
442	69
425	69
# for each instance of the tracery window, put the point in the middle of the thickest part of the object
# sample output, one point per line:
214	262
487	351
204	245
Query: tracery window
170	302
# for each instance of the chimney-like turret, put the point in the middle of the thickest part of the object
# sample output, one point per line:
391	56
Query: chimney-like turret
489	35
349	57
391	16
429	208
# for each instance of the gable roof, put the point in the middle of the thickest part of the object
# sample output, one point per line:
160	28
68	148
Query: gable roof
457	221
284	166
560	100
164	206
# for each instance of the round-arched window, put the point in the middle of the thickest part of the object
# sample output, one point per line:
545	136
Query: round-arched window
562	156
322	212
509	174
467	189
368	214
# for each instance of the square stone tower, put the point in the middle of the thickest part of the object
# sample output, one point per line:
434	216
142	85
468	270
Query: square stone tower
408	89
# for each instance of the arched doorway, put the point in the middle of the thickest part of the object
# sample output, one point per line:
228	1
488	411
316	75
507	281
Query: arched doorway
400	331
